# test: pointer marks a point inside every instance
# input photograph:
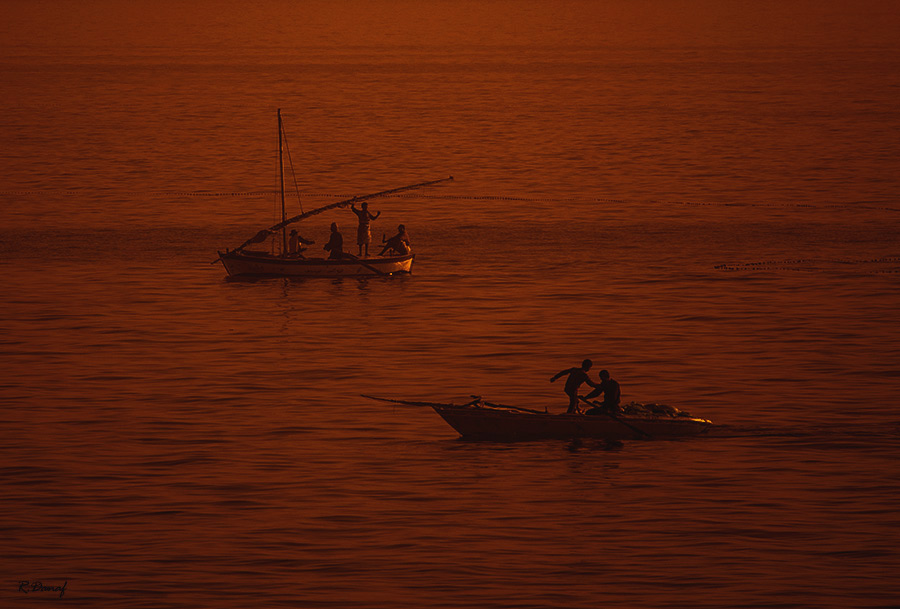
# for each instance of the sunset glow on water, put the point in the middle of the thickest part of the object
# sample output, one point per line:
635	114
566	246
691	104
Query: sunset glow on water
700	196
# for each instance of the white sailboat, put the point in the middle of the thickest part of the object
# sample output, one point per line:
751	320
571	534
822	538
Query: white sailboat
241	261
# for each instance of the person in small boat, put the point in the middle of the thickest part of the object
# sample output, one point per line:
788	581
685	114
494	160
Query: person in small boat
612	395
398	244
577	377
295	243
363	234
335	244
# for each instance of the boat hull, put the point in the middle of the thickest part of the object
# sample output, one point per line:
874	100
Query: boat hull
242	264
495	424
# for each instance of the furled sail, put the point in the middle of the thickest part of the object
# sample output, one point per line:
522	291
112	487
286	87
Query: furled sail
264	234
258	237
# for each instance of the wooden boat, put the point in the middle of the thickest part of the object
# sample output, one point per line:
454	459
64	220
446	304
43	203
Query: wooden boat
256	263
481	420
501	424
242	262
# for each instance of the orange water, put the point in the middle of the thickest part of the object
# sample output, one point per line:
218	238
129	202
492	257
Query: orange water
700	196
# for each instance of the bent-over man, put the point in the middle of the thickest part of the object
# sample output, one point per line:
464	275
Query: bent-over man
577	377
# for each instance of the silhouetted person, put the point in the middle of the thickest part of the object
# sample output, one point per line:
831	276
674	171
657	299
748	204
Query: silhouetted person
296	241
577	376
335	244
611	391
363	235
399	243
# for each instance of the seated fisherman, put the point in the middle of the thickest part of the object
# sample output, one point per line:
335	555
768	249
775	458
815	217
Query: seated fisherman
612	394
335	244
398	244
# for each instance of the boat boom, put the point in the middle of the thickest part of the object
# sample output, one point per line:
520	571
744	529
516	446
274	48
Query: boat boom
344	203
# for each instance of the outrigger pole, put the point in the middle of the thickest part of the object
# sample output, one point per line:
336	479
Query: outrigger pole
261	235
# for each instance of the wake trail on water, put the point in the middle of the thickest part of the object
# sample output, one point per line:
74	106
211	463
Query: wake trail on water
822	432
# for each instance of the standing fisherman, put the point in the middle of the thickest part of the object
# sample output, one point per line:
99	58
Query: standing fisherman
363	235
577	376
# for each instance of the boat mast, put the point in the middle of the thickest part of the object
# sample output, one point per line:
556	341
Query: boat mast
284	248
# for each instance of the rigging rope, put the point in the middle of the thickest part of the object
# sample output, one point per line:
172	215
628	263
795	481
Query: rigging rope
291	163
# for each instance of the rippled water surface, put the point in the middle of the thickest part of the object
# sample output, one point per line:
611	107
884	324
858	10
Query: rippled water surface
700	196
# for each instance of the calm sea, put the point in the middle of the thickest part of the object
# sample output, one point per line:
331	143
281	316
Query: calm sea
700	196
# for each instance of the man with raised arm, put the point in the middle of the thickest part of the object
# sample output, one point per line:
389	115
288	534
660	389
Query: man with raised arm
363	234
